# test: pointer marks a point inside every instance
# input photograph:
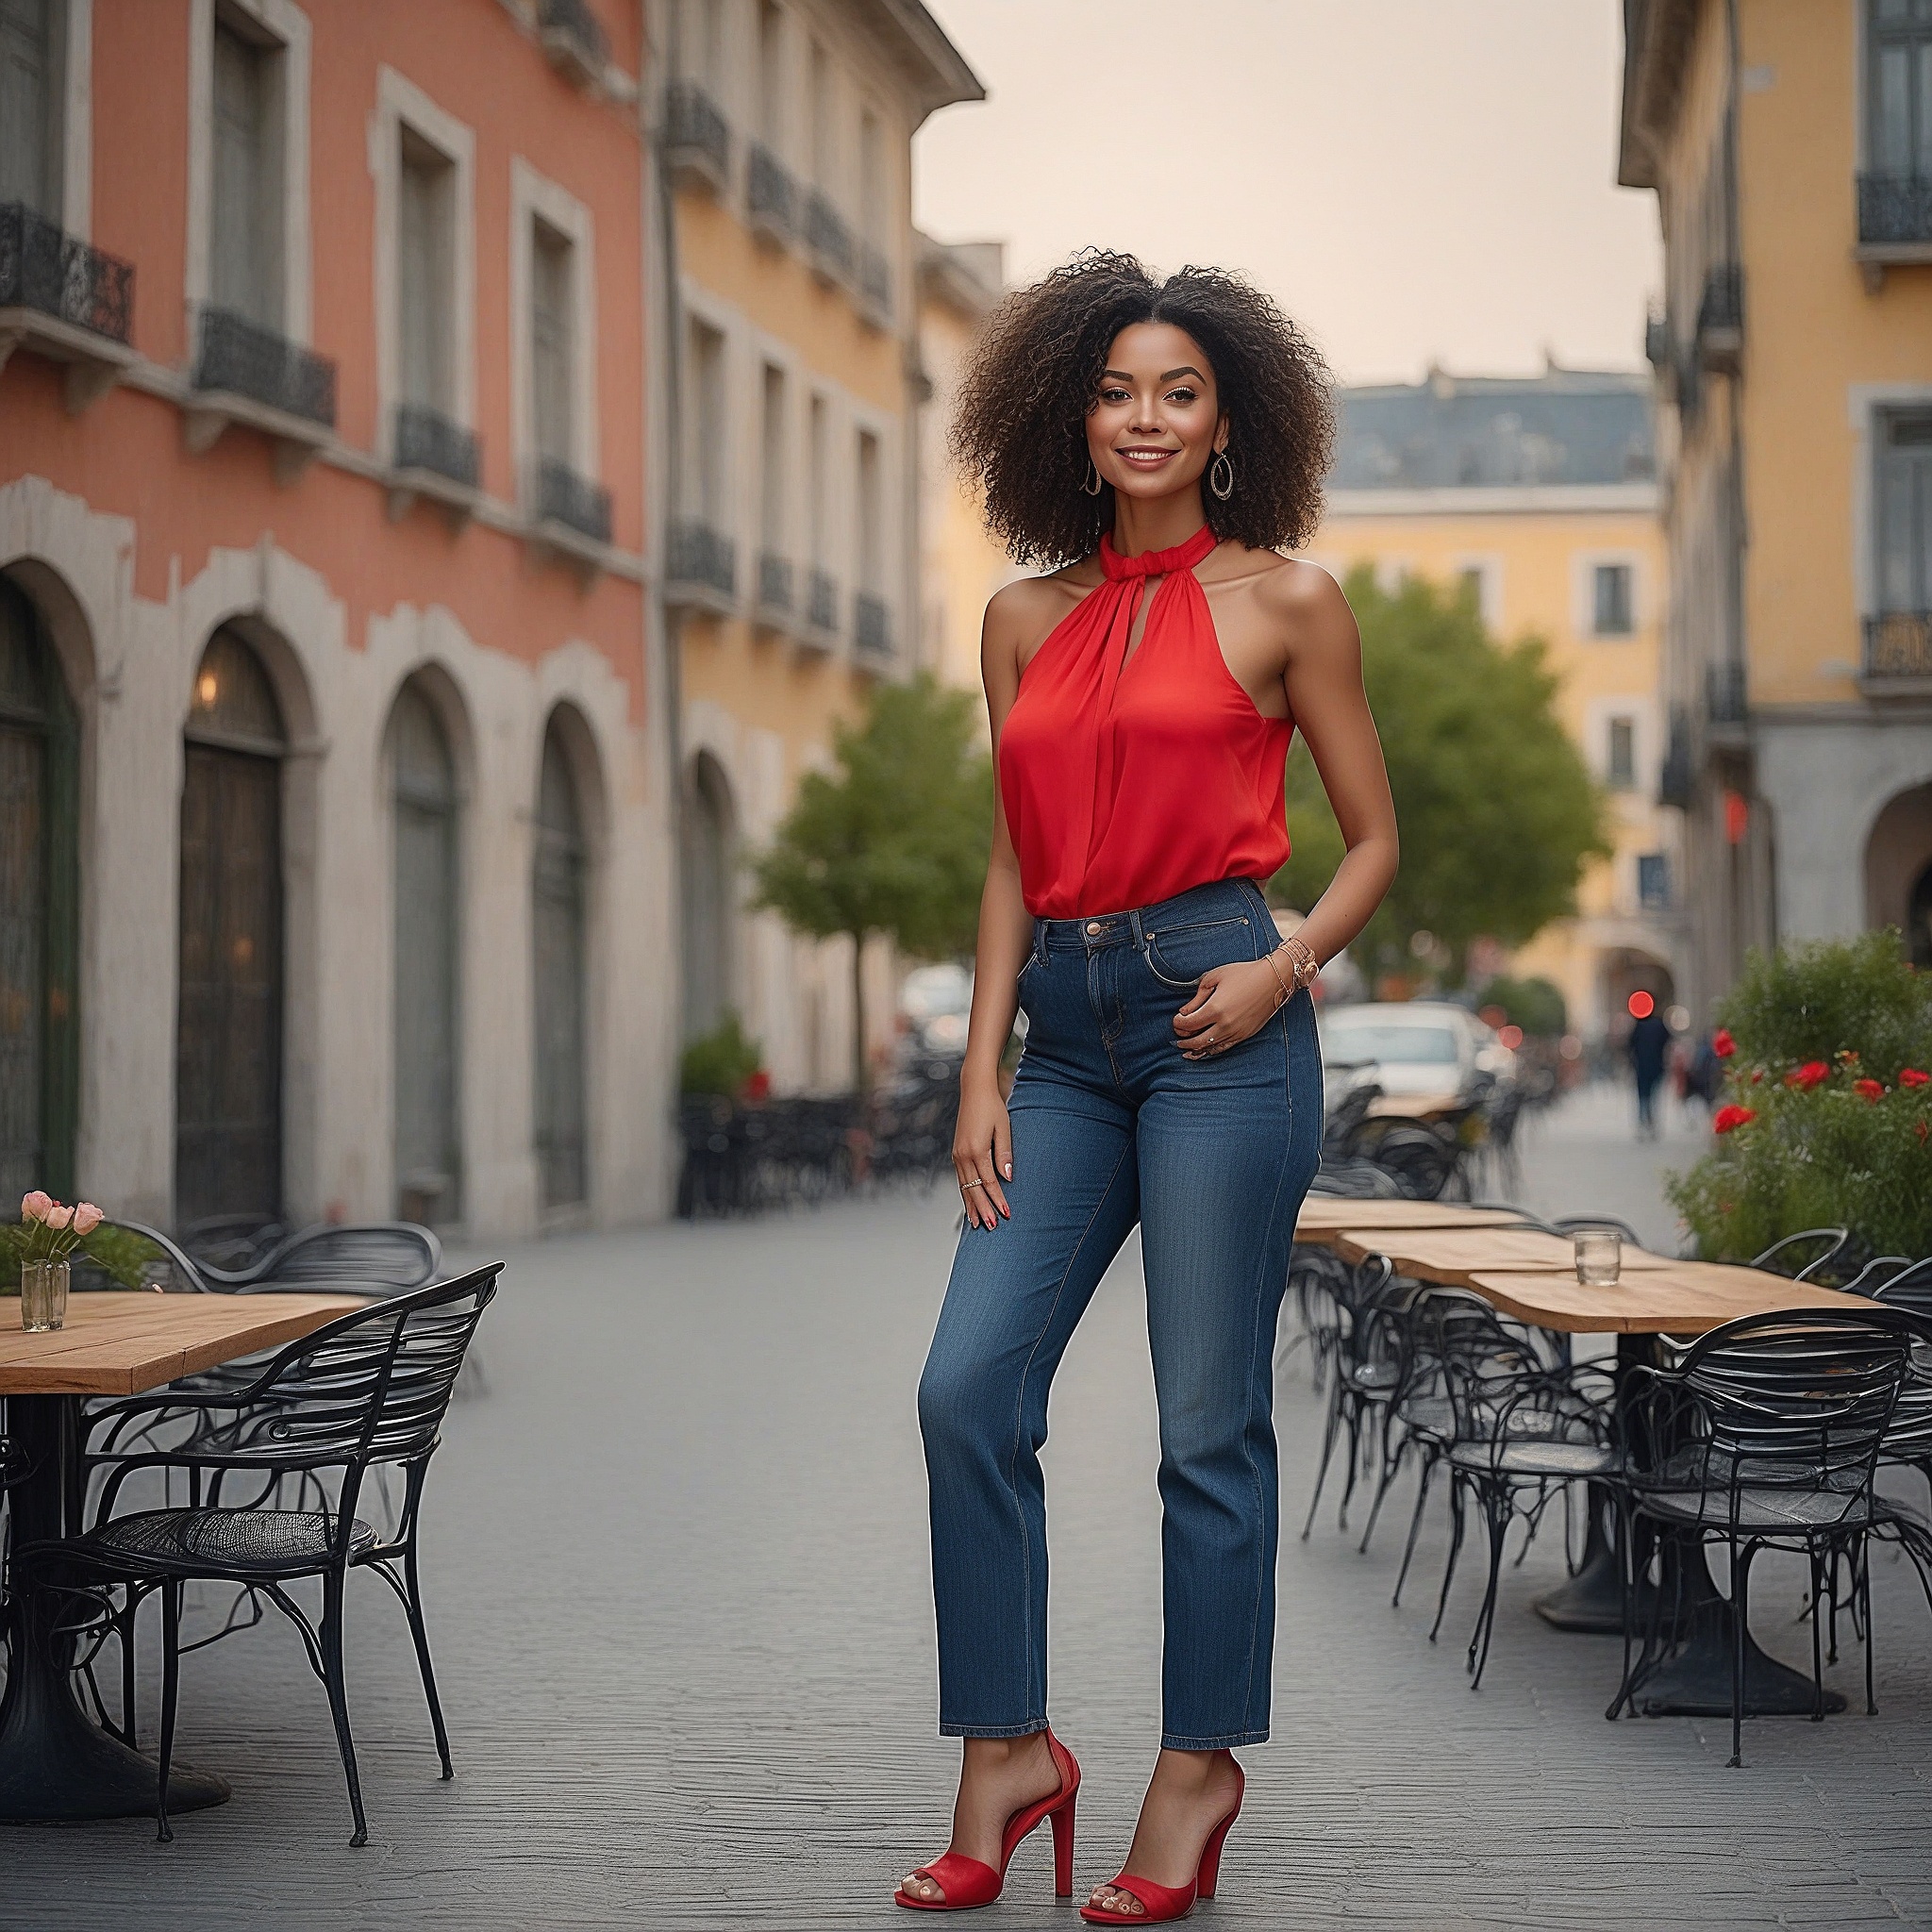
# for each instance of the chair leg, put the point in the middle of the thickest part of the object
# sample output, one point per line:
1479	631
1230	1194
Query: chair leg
1355	1458
1391	1465
1334	1423
129	1716
1627	1580
338	1693
171	1685
1817	1635
412	1604
1740	1637
1495	1501
1456	1528
1415	1524
1861	1582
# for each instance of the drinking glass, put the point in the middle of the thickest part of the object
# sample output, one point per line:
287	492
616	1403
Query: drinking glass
42	1296
1599	1257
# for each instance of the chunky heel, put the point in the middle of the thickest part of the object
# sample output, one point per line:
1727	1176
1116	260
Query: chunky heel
1063	1849
968	1883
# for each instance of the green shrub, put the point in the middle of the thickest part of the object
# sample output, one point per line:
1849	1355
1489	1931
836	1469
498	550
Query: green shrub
720	1061
1536	1005
1827	1119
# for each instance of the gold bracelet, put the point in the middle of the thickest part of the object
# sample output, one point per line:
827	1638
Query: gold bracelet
1307	967
1282	984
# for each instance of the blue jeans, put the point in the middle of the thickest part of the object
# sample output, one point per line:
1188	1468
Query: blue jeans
1213	1157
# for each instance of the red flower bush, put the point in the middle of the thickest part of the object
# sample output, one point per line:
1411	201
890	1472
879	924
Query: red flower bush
1911	1076
1812	1074
1723	1044
1872	1091
1728	1117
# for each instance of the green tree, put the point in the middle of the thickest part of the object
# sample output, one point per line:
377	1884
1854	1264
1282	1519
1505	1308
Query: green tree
1497	812
893	841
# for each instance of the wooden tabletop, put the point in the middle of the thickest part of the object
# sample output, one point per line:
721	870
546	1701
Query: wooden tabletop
1325	1216
1677	1298
1452	1255
119	1345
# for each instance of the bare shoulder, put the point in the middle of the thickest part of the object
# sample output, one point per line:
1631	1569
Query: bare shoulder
1297	591
1020	615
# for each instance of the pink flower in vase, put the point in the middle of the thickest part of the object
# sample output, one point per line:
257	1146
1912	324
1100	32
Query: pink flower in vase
59	1218
36	1206
87	1216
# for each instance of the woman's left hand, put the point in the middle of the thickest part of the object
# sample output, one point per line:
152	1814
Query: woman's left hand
1230	1004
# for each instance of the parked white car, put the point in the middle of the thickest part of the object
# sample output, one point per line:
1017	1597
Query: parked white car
1422	1054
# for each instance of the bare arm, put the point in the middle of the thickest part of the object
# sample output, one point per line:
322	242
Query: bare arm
982	1142
1323	683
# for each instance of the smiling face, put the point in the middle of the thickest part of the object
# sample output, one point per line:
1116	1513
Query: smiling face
1156	420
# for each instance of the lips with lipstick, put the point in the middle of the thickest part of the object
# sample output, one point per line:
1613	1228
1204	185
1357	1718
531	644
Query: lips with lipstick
1146	456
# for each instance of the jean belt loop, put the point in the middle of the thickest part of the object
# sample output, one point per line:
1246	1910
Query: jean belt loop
1039	941
1139	935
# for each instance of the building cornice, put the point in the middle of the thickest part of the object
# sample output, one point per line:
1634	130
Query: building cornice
1657	48
1529	499
934	71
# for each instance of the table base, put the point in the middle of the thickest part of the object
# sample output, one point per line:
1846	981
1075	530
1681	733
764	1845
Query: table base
1696	1680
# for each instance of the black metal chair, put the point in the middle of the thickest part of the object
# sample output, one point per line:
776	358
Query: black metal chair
1766	1433
1785	1257
369	1387
1370	1365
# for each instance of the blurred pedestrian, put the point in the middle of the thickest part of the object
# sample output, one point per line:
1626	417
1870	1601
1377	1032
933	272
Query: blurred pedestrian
1649	1048
1171	1073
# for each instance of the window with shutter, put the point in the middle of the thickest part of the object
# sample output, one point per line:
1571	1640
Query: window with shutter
244	240
30	116
552	349
772	462
1905	510
426	269
1899	94
559	930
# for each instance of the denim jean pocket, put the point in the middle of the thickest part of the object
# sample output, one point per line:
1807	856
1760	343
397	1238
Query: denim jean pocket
1178	954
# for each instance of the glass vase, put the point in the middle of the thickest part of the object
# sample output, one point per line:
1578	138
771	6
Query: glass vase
42	1296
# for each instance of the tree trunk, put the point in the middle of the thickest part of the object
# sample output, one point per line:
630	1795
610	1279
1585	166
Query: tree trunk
860	1081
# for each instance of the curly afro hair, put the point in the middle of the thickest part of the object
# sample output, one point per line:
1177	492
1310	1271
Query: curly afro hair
1020	435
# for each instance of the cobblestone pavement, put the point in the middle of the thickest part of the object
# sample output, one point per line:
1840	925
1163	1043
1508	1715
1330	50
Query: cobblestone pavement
679	1602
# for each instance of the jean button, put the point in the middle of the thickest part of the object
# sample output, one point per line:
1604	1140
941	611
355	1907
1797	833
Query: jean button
1092	927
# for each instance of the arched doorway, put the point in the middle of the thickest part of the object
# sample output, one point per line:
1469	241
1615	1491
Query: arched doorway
38	900
228	1048
428	925
1898	870
709	896
559	925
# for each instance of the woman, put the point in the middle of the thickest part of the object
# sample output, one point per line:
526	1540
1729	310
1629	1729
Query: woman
1143	694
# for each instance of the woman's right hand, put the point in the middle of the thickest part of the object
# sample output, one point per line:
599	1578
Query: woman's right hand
983	1153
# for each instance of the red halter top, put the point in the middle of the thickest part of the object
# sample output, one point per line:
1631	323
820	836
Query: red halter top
1127	780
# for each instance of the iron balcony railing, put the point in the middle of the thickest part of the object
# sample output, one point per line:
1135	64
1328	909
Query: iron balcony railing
1894	208
770	193
44	268
871	626
428	440
575	502
1725	694
775	581
572	20
697	553
876	280
826	235
694	130
1721	318
1898	643
822	603
240	358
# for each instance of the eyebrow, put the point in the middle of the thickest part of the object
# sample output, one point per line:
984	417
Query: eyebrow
1186	369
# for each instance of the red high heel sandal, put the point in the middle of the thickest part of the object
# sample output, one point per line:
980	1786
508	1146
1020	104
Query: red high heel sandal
968	1882
1165	1902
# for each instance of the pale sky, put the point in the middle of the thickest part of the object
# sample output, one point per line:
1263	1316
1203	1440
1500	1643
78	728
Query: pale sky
1414	180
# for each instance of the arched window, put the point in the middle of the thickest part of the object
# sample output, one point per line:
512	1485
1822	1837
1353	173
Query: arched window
39	896
560	920
710	897
228	1046
429	923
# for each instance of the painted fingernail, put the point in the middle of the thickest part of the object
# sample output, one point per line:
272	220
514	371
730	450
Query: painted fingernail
1007	1170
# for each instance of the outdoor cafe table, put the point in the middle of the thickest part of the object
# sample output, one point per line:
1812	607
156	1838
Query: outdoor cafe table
1532	1277
1323	1216
56	1764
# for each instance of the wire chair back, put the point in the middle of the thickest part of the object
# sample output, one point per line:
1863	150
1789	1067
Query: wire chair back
388	1255
1790	1256
1795	1402
372	1386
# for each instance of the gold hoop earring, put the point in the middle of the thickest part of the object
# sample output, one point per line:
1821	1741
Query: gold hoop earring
1221	476
1092	487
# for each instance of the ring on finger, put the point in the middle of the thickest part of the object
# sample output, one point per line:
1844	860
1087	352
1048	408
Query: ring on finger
964	1185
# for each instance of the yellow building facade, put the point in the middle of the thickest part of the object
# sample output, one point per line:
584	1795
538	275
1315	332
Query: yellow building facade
1789	147
1538	495
790	559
